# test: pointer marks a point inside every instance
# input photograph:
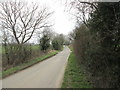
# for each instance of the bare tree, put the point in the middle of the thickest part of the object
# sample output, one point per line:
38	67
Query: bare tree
81	10
46	31
22	20
71	35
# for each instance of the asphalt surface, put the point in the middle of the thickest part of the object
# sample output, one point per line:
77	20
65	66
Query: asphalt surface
46	74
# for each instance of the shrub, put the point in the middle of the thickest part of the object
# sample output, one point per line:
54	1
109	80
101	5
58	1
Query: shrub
15	54
45	43
58	42
56	45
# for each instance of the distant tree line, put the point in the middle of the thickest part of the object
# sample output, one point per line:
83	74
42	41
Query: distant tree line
52	40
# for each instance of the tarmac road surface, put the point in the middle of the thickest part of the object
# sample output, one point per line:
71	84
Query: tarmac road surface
46	74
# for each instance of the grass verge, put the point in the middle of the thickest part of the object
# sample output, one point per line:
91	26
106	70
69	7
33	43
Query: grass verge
74	77
26	65
33	47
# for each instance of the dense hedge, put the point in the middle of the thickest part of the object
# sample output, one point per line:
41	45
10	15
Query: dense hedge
15	54
98	46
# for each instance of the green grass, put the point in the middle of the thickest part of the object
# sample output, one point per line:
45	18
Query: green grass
74	77
1	49
25	65
33	47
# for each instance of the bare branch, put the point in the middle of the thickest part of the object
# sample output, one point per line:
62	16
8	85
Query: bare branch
21	20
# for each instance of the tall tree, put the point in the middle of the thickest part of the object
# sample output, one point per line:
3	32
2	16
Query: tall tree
22	20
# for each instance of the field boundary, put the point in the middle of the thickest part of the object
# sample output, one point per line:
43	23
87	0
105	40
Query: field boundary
27	65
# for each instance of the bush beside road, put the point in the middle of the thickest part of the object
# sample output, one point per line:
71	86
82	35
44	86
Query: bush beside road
27	64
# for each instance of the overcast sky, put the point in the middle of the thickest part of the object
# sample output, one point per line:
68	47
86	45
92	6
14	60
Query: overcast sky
63	21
